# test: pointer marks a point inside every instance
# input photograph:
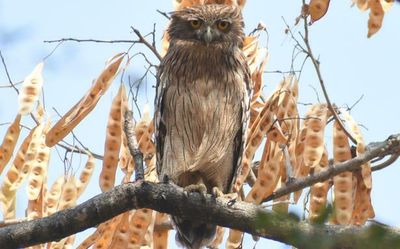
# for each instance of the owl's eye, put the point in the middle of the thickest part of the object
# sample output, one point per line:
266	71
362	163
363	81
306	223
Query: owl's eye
195	24
223	25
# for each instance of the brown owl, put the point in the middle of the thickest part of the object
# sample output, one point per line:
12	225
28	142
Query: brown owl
202	104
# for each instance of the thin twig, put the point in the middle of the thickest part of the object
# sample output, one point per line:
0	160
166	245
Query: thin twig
90	40
7	73
164	14
146	43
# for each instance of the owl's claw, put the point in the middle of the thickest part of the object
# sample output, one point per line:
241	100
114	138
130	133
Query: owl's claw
216	192
199	188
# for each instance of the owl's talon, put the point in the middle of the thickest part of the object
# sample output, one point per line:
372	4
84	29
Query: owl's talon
216	192
199	188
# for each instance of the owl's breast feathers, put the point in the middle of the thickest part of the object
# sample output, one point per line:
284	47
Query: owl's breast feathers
201	116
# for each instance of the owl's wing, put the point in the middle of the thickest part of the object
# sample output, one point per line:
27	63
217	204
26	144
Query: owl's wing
241	136
160	130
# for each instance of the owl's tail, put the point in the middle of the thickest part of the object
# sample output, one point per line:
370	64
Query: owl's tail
193	235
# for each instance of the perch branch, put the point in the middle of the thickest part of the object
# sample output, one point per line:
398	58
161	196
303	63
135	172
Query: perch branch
168	198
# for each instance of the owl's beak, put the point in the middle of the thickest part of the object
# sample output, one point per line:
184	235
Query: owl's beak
208	35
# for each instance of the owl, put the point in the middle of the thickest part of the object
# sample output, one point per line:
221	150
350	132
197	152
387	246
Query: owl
201	107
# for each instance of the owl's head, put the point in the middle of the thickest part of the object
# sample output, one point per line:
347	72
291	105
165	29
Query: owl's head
208	24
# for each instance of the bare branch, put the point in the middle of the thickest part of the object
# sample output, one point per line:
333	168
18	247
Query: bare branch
315	62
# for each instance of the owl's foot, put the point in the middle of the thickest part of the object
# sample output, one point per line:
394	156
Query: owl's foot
199	188
216	192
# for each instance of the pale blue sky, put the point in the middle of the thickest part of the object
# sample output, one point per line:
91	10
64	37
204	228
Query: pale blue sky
351	64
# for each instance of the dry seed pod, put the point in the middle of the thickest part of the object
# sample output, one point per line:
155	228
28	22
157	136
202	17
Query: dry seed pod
86	174
219	237
139	224
143	135
53	196
160	236
319	190
106	233
234	239
315	124
387	4
343	182
361	4
38	172
9	142
121	235
257	79
35	207
8	194
69	194
89	241
147	241
112	144
363	209
318	9
80	110
261	126
375	17
30	91
25	155
268	176
356	131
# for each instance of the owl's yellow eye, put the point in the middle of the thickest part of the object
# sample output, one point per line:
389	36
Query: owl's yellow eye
195	24
223	25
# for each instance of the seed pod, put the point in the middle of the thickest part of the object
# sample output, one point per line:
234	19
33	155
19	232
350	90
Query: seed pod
160	237
53	196
139	224
356	131
38	172
343	183
318	9
85	176
315	124
9	142
106	232
363	209
319	190
112	144
121	235
78	112
30	91
375	17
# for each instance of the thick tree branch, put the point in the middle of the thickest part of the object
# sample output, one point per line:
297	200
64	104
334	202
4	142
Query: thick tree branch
374	150
171	199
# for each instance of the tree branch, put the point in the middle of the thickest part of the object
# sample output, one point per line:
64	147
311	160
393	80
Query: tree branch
381	149
168	198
